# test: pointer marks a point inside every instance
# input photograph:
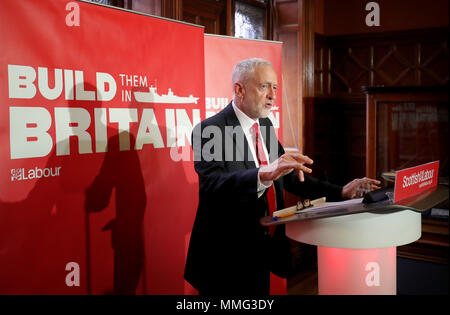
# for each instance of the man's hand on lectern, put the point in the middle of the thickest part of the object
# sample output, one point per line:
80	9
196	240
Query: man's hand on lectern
358	187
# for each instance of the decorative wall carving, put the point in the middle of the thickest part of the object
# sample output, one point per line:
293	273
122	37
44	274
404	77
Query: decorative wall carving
405	58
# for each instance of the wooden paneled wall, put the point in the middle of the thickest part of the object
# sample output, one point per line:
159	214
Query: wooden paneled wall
339	17
292	26
343	64
404	58
211	14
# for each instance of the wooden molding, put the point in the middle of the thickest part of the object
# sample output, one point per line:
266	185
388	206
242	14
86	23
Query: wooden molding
172	9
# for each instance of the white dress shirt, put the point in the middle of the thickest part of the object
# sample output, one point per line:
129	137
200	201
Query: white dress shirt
247	126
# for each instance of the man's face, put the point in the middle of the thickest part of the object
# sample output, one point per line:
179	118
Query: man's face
258	93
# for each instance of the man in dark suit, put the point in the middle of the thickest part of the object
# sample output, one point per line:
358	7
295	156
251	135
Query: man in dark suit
242	169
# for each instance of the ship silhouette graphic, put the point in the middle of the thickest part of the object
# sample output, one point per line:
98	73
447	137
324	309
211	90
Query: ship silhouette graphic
153	97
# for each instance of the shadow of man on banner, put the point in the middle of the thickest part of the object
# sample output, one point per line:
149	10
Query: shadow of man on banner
121	172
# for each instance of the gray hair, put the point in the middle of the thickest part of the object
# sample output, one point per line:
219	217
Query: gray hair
245	68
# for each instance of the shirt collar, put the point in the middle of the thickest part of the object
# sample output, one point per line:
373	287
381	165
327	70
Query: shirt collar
245	121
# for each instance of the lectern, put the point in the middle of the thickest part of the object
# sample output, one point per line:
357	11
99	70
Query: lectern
356	242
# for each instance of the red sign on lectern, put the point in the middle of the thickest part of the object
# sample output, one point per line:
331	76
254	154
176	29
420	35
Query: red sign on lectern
414	180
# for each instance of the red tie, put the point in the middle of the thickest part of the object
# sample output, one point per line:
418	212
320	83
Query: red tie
262	160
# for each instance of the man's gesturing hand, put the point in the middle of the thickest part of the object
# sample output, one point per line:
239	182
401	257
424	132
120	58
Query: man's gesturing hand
284	165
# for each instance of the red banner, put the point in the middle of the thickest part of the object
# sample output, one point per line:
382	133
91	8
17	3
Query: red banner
414	180
97	187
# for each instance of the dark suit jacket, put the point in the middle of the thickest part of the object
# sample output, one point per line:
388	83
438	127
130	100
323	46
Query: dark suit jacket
230	252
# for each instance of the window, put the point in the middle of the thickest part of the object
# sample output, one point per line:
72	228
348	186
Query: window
102	1
250	19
